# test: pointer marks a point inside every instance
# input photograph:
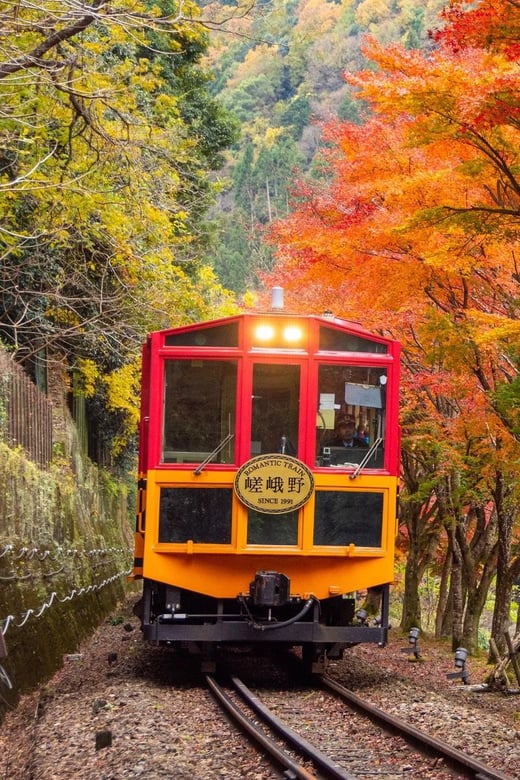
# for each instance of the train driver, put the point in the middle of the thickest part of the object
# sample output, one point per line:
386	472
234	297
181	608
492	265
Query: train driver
345	436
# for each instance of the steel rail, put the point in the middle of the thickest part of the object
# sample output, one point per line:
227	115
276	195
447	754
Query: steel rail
462	760
301	745
326	764
257	734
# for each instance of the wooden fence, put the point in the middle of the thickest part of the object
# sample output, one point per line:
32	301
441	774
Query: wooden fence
25	413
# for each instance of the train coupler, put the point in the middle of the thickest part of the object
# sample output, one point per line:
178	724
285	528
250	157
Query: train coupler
269	589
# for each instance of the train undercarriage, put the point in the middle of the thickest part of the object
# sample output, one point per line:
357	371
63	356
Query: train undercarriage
267	615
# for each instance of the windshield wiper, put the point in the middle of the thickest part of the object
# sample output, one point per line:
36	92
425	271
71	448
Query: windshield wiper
367	457
212	454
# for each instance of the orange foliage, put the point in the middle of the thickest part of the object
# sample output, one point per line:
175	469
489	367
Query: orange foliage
419	206
413	226
491	24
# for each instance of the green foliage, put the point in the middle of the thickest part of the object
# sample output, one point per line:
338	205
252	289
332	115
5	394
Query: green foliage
507	397
295	114
262	177
253	94
352	109
230	257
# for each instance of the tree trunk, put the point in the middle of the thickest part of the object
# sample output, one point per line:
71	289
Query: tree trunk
372	602
443	615
268	200
424	526
504	582
411	614
477	554
456	593
475	604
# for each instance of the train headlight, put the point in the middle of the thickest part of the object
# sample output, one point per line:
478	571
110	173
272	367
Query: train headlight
264	332
292	334
274	334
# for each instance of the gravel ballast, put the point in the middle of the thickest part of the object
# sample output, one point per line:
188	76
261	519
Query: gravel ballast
119	709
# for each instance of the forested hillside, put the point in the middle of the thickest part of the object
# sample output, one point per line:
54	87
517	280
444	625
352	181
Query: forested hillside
115	127
280	68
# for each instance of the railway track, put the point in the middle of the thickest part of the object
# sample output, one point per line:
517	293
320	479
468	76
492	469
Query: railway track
347	757
292	768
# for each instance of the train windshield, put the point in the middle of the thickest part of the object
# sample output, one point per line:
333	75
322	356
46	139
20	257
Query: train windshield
275	412
350	422
274	428
199	411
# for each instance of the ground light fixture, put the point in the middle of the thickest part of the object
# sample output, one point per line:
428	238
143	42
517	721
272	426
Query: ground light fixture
413	643
461	655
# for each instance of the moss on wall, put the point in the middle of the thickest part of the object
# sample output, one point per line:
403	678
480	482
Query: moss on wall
65	549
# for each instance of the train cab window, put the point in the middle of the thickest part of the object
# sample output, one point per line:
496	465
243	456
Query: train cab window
275	402
216	336
350	420
199	411
346	517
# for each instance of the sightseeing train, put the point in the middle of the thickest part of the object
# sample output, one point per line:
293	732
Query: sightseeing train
268	479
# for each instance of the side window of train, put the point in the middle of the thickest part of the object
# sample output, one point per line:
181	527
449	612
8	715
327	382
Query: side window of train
199	411
350	419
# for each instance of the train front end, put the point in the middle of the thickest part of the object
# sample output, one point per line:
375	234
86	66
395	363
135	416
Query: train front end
256	523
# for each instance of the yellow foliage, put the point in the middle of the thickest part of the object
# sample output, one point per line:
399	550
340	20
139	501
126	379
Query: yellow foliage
372	11
62	316
122	395
88	374
272	134
260	61
122	387
103	203
250	299
316	19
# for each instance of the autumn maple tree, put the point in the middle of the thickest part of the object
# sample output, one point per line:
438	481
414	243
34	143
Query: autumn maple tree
412	228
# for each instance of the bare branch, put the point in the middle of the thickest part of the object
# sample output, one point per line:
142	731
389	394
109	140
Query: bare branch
34	59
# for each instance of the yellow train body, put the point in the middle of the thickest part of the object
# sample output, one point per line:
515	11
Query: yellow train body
223	571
